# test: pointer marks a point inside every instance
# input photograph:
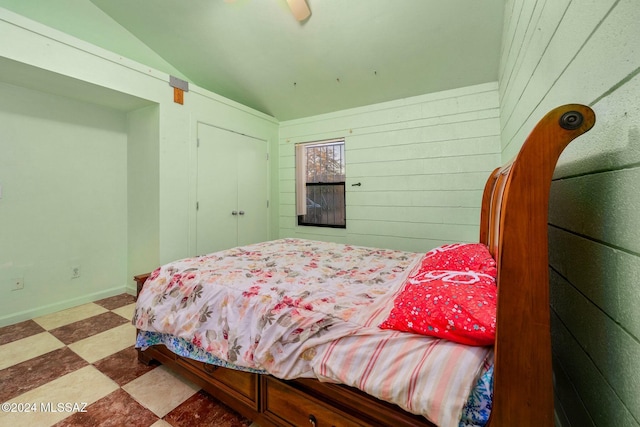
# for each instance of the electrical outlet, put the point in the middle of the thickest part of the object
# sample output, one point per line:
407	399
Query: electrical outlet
75	271
17	284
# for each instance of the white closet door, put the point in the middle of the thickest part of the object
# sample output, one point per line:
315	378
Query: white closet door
231	179
252	192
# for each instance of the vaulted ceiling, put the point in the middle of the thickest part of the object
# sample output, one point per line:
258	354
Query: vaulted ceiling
348	53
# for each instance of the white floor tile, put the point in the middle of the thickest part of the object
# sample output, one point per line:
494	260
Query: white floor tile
84	386
64	317
161	423
27	348
126	311
160	390
105	343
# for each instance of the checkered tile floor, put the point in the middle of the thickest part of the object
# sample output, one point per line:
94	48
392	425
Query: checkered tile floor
78	367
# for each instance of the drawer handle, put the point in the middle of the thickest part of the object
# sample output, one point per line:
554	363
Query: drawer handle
313	420
209	369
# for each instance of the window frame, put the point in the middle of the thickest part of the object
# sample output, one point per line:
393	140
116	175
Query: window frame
302	185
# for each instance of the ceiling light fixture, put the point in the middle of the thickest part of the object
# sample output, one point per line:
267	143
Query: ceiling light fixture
300	9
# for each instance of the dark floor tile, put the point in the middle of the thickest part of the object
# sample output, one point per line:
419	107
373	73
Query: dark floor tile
18	331
203	410
123	366
114	410
30	374
87	327
117	301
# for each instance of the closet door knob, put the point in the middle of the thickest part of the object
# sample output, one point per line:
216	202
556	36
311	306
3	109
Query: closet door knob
241	213
234	212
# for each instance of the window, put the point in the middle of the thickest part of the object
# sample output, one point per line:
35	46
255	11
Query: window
320	184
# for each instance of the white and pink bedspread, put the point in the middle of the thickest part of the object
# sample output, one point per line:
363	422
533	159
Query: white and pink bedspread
299	308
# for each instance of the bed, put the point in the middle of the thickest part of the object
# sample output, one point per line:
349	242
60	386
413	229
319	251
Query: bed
295	332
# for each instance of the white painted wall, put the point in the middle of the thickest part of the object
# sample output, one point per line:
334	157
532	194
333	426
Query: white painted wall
585	51
63	171
164	130
143	193
422	163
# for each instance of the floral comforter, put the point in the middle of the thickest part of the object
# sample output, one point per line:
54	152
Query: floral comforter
298	308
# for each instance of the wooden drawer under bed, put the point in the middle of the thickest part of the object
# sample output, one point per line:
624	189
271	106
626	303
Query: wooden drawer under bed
244	385
287	406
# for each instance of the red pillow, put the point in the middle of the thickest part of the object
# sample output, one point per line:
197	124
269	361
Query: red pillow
460	257
454	302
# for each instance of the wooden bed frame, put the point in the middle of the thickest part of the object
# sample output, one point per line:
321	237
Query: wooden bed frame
513	224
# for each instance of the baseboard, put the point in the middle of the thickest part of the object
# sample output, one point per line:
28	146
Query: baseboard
63	305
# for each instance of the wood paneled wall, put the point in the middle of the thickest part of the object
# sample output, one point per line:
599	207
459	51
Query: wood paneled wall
421	162
586	51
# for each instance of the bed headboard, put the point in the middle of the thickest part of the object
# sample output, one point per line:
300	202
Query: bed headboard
513	225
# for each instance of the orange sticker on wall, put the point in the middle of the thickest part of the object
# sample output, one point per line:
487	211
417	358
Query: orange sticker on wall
178	96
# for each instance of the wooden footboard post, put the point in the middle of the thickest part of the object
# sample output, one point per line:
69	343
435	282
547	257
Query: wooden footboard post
523	388
140	279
